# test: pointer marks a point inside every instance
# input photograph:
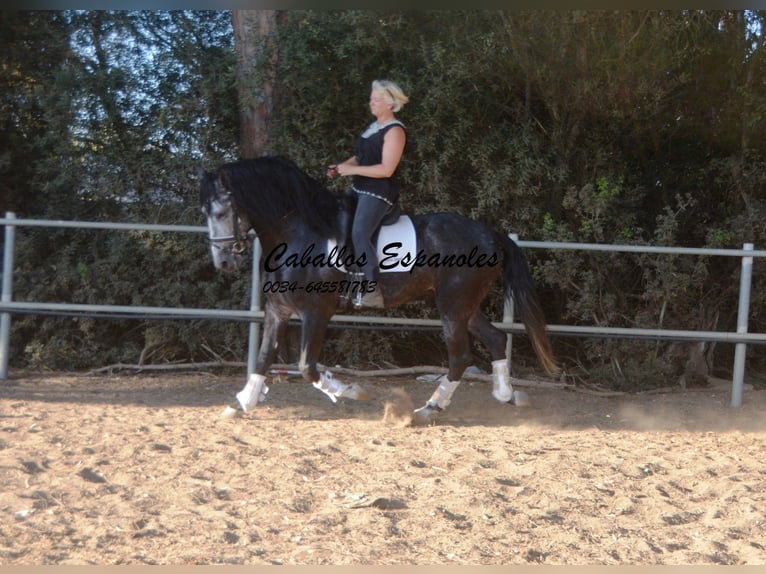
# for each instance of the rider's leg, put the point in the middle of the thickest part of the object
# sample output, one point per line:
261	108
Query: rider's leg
370	211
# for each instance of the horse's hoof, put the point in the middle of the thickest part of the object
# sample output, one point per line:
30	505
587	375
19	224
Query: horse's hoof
519	399
231	413
425	416
355	392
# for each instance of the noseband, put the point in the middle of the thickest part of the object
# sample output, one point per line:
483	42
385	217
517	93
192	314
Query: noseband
238	246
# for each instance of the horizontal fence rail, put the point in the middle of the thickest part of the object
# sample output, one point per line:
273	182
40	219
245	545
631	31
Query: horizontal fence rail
741	338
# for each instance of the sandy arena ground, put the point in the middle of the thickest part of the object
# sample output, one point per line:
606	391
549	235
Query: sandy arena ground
134	469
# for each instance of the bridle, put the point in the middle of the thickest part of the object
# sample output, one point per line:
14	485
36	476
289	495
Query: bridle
235	242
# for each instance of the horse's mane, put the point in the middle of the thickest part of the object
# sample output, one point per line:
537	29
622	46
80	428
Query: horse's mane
274	187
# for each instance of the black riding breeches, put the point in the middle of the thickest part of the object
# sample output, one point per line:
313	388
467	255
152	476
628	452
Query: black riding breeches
370	211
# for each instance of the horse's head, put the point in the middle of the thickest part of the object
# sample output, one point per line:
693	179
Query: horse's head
227	229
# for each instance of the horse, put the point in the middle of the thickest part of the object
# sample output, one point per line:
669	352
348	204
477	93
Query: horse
303	230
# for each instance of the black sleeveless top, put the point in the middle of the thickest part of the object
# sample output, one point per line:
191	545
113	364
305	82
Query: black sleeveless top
369	151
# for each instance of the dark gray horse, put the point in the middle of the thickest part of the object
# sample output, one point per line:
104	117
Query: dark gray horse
303	229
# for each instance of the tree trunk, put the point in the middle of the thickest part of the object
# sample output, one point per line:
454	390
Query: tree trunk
254	32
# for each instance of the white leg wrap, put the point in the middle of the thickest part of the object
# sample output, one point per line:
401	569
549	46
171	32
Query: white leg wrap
253	393
501	387
443	394
330	386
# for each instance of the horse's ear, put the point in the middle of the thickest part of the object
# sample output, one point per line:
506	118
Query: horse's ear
223	177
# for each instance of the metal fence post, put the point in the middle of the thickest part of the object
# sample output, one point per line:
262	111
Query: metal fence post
7	290
508	318
255	305
742	313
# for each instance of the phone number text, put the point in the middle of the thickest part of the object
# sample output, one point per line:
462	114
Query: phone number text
342	287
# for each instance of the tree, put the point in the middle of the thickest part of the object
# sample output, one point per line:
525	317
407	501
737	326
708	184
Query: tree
109	122
254	32
578	126
34	119
590	126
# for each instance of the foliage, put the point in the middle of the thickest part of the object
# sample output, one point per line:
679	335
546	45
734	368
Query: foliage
108	124
625	127
610	127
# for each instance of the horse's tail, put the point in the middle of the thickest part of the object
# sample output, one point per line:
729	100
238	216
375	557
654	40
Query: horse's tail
520	285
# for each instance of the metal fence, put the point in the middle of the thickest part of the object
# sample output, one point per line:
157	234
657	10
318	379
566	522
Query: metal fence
741	338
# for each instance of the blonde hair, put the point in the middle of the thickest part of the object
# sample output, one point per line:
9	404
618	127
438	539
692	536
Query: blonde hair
392	93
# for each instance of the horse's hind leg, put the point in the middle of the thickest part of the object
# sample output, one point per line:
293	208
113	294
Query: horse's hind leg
495	339
275	323
459	352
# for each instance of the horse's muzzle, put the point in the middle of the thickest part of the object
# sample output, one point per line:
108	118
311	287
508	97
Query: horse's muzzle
227	259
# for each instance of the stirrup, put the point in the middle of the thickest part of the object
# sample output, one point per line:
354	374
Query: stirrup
372	300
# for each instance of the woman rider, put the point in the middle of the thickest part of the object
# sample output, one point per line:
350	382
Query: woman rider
373	167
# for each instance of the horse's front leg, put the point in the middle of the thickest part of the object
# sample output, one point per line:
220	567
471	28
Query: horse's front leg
313	331
275	323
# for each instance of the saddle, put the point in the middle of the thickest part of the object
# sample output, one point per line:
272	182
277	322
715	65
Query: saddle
396	228
395	232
